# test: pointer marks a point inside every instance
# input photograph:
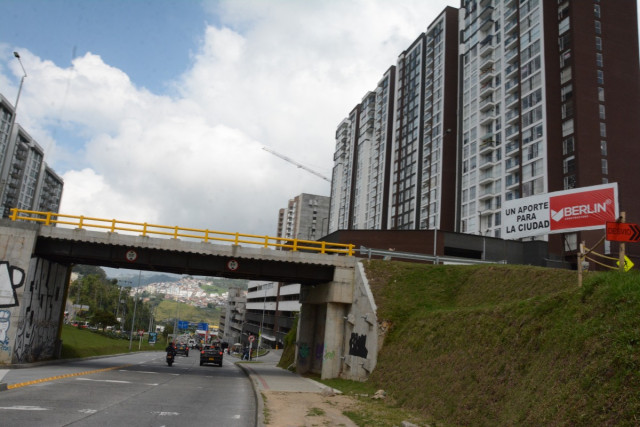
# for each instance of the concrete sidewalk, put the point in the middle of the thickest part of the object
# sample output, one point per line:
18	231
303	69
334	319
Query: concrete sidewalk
265	375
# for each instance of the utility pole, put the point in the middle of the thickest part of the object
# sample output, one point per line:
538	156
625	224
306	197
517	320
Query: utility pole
621	255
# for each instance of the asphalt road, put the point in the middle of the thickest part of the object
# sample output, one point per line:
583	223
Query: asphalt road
137	389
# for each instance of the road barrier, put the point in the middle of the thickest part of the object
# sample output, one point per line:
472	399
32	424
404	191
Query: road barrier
146	229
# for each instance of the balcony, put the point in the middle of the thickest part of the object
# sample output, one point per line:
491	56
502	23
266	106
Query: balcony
512	116
487	45
487	117
487	61
486	24
486	192
511	85
511	99
487	88
512	163
487	103
510	70
487	176
512	146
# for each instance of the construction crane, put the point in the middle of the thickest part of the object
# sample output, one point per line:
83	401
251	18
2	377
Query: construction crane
286	159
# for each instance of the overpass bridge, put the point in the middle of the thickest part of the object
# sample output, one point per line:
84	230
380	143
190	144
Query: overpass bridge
337	331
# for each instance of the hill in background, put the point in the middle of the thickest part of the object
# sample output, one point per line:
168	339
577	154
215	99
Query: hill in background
509	345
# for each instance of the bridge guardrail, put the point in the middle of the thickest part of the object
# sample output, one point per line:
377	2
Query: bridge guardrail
206	235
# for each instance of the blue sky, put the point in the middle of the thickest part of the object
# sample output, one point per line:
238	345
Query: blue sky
151	40
158	110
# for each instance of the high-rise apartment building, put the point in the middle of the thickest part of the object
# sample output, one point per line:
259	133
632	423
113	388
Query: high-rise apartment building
395	154
26	182
306	217
503	99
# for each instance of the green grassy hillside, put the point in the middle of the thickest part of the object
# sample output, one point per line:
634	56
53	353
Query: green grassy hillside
509	345
168	309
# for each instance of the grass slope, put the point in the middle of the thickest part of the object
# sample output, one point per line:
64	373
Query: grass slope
509	345
168	309
85	343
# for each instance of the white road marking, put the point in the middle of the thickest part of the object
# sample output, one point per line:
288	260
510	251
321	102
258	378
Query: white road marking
88	411
103	381
25	408
138	372
166	414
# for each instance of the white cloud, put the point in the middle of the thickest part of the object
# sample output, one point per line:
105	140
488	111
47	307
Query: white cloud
281	74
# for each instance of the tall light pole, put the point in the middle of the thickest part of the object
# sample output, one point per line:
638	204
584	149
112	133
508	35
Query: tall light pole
135	305
11	126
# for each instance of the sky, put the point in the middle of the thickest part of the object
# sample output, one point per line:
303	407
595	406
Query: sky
158	110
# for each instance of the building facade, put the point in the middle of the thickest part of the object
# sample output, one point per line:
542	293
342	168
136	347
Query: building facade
504	99
306	217
26	182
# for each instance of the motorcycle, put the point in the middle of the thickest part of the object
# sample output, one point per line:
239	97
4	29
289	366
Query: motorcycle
170	358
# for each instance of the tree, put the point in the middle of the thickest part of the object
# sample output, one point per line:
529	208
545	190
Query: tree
103	319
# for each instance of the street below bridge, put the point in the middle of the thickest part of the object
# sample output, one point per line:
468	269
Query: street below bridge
137	389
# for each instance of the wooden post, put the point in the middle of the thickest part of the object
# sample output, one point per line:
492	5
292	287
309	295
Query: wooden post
580	260
621	253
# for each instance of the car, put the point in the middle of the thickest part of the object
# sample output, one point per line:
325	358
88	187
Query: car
211	354
182	348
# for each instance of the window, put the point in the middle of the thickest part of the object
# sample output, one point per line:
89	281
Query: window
569	165
598	27
602	113
599	43
569	182
566	92
605	167
563	27
603	148
567	127
601	94
596	10
599	61
568	146
600	77
603	130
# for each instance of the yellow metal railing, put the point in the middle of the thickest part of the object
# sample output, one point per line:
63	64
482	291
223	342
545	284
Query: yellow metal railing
146	229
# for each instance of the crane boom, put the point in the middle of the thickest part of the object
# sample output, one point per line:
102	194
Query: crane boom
293	162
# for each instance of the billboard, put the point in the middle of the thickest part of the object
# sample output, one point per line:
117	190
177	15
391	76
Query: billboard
585	208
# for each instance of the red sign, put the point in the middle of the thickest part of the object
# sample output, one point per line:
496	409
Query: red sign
623	232
583	209
251	338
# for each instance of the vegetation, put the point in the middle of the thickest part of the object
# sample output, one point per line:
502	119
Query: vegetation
104	296
167	310
78	342
288	357
508	345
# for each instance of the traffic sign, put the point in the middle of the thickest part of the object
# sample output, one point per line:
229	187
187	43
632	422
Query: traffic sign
183	324
628	264
131	255
251	338
233	265
623	232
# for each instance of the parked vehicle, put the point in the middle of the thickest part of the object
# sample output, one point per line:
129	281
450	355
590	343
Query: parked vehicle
211	354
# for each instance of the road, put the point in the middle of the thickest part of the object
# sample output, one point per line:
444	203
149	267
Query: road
137	389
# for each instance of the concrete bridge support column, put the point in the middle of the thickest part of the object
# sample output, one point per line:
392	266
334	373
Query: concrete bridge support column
32	298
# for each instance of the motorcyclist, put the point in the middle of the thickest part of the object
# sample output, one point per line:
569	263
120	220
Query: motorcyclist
171	349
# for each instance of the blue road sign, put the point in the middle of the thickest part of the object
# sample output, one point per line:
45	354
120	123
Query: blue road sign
203	326
183	324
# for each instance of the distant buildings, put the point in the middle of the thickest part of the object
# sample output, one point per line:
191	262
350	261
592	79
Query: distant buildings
497	100
26	182
306	217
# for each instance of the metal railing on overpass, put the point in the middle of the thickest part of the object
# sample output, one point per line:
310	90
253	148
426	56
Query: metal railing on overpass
146	229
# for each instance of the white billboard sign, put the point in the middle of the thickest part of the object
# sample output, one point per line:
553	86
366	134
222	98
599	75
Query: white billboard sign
583	208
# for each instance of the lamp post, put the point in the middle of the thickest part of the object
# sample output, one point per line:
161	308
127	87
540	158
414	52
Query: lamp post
11	126
135	306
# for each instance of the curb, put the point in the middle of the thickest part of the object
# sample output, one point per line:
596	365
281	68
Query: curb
256	392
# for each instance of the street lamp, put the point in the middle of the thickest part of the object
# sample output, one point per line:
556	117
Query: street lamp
135	305
12	125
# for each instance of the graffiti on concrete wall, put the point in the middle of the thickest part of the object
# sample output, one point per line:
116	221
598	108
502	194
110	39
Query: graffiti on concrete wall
11	278
42	305
358	345
303	350
5	317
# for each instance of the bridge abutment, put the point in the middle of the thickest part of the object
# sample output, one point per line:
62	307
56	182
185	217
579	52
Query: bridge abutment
31	298
338	330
